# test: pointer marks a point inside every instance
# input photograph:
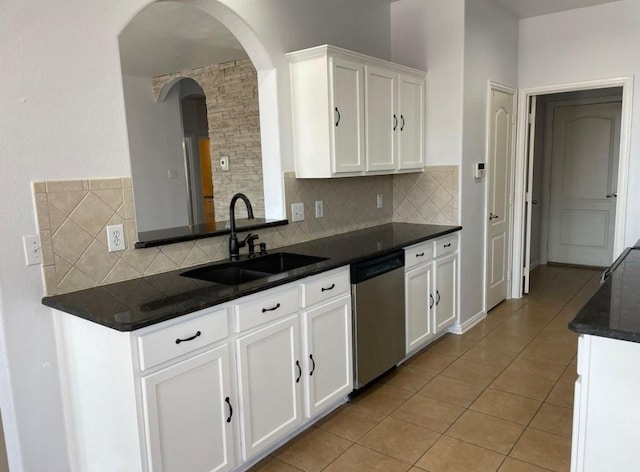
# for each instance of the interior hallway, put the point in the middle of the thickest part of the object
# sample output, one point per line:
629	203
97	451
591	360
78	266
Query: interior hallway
497	398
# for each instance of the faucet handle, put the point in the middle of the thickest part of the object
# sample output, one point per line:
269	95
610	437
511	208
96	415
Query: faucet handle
250	242
263	249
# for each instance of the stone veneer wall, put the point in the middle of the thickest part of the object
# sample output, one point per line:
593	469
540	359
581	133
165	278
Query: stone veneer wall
231	90
72	217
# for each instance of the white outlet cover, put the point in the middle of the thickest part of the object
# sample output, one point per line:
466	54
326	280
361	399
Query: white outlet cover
319	208
297	212
115	238
379	201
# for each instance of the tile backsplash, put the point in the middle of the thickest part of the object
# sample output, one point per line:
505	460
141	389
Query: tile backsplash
72	217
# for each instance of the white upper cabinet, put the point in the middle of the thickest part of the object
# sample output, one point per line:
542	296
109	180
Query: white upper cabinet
355	115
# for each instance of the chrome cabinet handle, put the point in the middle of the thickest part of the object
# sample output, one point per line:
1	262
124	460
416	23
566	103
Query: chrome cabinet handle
447	245
420	254
395	122
437	297
178	341
338	120
431	302
402	125
331	287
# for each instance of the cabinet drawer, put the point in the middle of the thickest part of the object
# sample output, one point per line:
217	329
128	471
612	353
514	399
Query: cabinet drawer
262	309
445	246
168	343
326	286
418	254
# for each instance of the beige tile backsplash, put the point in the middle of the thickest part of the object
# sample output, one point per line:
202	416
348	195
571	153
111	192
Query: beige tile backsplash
72	216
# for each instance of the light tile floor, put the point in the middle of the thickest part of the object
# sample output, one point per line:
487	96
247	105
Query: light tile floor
497	398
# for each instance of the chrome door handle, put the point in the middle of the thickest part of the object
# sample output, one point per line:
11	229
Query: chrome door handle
493	217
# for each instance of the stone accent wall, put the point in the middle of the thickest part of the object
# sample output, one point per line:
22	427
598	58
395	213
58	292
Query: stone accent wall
231	91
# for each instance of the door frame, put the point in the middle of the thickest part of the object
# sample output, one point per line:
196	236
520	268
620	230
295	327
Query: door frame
492	85
519	230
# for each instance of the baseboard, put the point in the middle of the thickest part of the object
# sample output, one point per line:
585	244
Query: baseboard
467	325
533	265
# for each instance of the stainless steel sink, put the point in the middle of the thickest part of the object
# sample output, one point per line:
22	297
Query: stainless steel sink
236	273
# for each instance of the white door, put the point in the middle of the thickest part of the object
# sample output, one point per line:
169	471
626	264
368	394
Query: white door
347	115
411	126
445	293
419	302
189	415
328	365
528	199
584	173
498	189
270	384
381	120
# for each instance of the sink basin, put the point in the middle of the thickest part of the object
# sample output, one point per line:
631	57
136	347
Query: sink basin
236	273
233	275
280	262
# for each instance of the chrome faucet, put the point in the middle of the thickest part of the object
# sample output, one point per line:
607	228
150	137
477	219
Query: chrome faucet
234	244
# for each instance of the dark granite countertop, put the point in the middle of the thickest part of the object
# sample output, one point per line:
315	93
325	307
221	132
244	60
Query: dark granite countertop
614	310
134	304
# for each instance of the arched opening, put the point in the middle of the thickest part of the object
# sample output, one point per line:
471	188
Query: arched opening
227	39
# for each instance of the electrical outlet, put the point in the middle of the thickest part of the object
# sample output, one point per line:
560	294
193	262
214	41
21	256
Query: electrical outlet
297	212
319	209
224	162
115	238
32	250
379	200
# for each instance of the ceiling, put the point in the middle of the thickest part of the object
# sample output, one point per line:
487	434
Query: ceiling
530	8
169	36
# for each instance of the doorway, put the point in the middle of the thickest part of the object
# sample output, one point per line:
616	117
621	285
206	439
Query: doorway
571	173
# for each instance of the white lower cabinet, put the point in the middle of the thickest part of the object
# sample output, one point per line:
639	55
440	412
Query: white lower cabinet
209	391
270	392
431	281
446	276
188	415
327	354
419	304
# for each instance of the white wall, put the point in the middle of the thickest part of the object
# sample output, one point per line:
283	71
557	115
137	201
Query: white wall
155	139
491	53
590	43
63	117
429	35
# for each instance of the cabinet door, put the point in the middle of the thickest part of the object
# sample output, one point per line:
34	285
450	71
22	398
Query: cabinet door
347	115
188	415
327	354
446	298
419	303
381	120
270	388
411	103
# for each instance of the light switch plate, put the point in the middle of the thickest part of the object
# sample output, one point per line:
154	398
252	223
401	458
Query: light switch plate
32	250
297	212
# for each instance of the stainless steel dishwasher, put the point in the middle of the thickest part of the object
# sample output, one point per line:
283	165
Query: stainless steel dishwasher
377	288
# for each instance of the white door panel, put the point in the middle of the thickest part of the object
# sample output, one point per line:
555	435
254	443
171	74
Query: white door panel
498	188
584	170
